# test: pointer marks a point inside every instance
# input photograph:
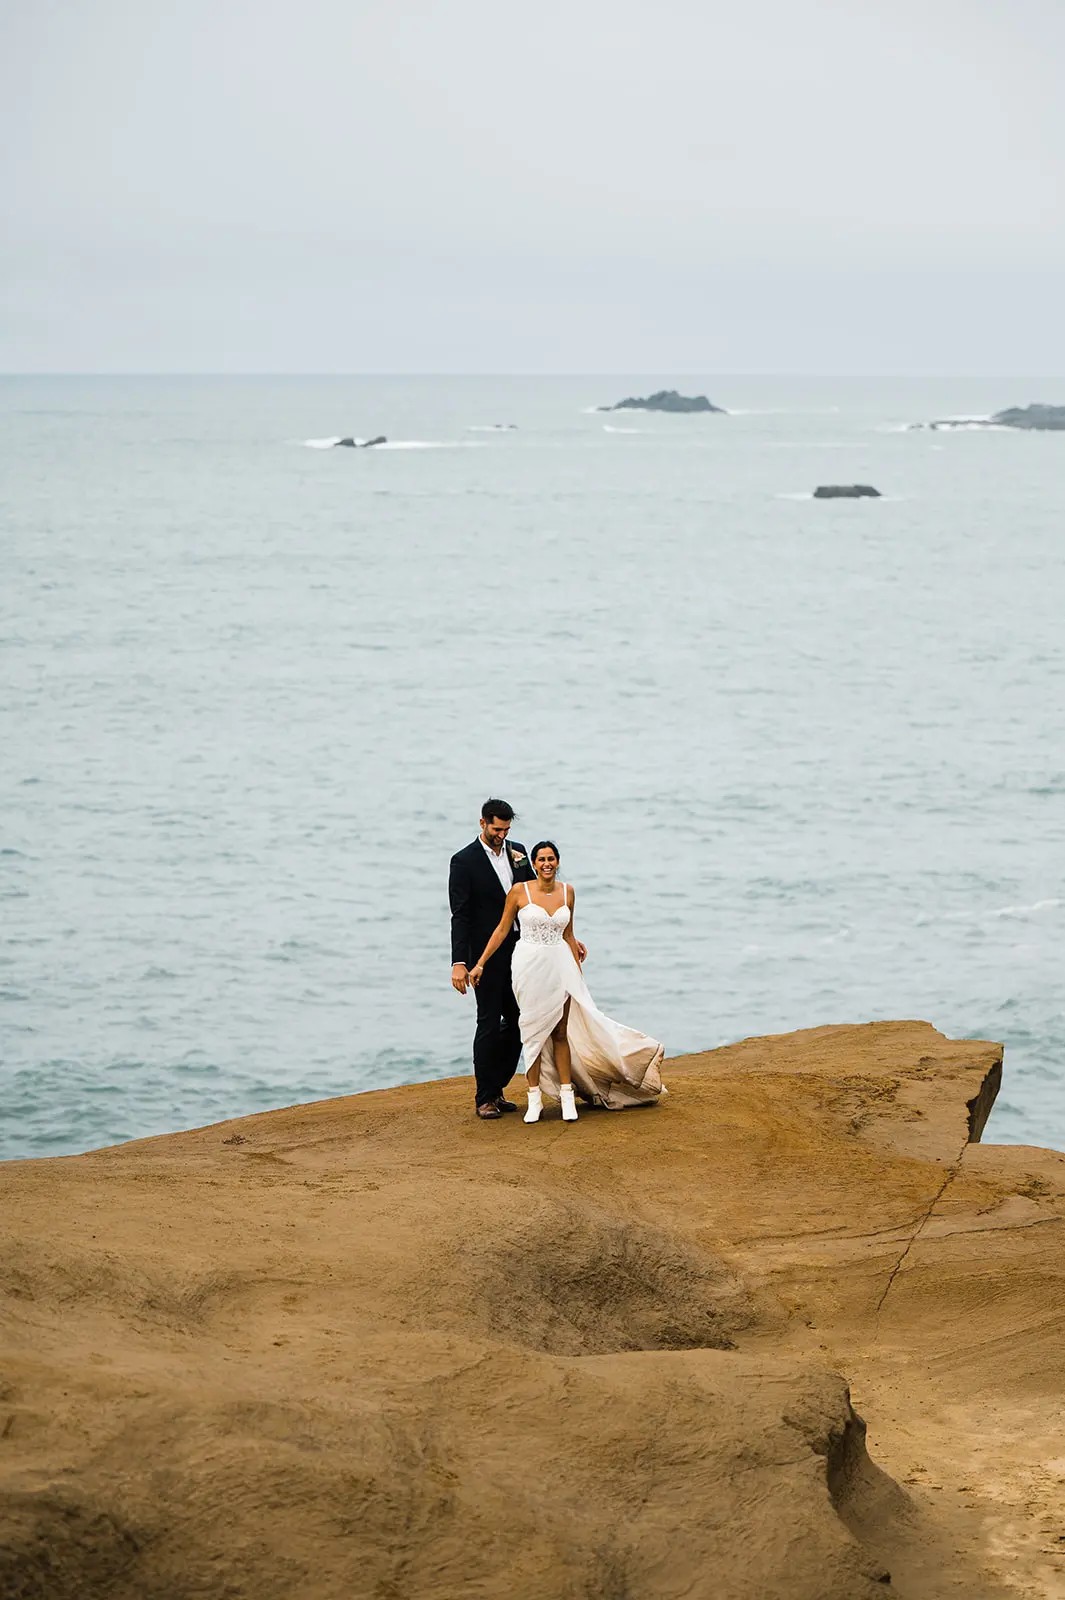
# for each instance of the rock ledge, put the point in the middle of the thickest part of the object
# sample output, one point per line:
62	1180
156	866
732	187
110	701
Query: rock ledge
375	1347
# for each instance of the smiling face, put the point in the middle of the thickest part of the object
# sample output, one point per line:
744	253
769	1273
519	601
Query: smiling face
546	864
494	832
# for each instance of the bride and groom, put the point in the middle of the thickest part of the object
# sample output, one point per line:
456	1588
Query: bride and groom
531	992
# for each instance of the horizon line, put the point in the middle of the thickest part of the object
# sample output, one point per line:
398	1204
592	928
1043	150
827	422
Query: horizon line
787	372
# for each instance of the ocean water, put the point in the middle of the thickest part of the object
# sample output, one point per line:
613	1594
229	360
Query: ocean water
805	761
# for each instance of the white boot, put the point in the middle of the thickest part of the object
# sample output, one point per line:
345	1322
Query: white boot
567	1102
536	1105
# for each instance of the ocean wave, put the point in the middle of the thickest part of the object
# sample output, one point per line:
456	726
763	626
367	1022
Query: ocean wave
397	444
974	427
609	428
428	444
960	425
981	914
492	427
808	494
951	425
1025	911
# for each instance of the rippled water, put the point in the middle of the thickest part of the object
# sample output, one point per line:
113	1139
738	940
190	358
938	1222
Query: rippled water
805	760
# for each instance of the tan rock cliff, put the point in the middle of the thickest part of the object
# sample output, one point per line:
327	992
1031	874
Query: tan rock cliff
372	1348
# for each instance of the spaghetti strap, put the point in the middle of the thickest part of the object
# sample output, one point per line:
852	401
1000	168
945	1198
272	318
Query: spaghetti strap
528	896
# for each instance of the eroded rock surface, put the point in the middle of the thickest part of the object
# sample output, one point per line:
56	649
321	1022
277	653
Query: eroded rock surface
375	1348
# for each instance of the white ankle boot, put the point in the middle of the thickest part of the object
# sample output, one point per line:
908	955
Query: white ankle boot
536	1105
566	1100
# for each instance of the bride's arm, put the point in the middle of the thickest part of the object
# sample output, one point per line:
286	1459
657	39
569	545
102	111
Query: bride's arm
569	936
510	911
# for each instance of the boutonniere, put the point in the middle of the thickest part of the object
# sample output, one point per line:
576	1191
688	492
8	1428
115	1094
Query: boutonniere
517	856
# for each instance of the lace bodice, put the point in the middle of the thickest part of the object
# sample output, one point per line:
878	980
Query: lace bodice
542	927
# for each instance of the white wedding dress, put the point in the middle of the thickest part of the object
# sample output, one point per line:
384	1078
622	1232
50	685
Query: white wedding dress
612	1066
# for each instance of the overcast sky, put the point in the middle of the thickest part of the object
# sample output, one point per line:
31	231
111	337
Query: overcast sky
562	186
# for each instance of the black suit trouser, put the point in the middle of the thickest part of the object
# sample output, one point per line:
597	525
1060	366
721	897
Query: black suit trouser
497	1040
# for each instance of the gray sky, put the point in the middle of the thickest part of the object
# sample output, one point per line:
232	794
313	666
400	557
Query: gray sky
570	185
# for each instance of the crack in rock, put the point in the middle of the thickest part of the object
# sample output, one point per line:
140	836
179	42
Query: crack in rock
952	1173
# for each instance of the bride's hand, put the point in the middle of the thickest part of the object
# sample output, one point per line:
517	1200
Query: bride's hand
475	975
582	951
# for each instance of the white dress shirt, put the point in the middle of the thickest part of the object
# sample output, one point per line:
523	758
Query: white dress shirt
501	866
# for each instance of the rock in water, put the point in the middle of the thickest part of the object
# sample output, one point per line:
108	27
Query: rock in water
1033	419
1049	418
846	491
360	444
666	400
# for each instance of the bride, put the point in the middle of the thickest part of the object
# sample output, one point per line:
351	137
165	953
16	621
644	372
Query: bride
569	1044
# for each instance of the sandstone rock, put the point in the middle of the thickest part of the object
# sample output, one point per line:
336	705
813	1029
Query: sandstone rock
373	1347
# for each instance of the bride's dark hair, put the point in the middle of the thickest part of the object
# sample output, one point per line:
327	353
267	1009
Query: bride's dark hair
545	844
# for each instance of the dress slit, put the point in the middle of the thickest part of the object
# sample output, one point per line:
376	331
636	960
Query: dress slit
612	1065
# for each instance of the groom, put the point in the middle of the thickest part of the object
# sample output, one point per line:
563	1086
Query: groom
481	877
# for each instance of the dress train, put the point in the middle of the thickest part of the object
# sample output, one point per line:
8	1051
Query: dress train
612	1066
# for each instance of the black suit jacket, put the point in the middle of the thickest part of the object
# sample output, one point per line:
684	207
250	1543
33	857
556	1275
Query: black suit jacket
477	898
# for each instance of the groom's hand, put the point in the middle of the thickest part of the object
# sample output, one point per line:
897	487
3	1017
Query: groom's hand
460	978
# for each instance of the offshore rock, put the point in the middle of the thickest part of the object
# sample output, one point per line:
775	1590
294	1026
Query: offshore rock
1033	418
1048	418
666	400
360	444
846	491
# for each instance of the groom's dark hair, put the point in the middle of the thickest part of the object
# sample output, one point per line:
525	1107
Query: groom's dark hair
497	808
